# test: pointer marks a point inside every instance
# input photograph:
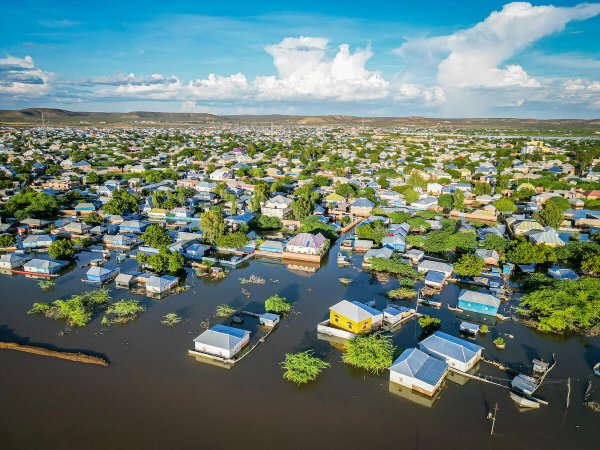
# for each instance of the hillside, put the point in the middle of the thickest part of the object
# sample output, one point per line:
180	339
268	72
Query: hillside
33	116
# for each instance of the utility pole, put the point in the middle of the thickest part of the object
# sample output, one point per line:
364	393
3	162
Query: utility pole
492	417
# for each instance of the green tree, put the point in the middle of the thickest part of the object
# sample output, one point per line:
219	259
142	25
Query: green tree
156	236
551	215
176	262
505	205
277	304
93	219
410	195
373	353
212	225
445	201
232	240
468	265
346	190
302	367
61	248
122	202
6	240
495	242
458	200
429	324
591	263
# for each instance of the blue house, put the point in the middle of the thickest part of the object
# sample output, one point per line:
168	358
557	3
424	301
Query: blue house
133	226
478	302
97	274
44	266
397	242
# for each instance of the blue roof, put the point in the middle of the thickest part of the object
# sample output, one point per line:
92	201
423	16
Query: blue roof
417	364
229	330
444	344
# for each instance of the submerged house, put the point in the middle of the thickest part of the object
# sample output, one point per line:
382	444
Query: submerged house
459	354
13	260
98	274
222	341
354	317
35	241
44	266
159	285
417	370
478	302
307	246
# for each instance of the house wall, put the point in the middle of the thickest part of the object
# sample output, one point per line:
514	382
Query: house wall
343	322
477	307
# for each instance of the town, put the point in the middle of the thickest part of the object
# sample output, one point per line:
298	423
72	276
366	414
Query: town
508	225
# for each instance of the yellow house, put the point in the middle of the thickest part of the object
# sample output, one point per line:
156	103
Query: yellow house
354	317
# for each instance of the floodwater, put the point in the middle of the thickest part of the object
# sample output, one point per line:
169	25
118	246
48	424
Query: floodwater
155	396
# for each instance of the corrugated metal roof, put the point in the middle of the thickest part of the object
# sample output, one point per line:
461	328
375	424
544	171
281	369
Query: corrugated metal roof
446	345
417	364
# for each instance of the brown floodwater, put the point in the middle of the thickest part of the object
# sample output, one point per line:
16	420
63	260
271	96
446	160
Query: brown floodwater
155	396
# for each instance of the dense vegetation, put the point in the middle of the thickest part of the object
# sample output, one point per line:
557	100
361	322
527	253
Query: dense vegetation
561	306
373	352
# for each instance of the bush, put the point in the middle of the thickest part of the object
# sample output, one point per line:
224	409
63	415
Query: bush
232	240
483	329
561	306
395	267
300	368
61	248
402	294
224	311
499	342
277	304
7	240
122	311
170	319
429	324
373	353
468	265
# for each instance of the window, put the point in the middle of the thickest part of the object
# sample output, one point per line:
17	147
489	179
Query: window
350	325
336	318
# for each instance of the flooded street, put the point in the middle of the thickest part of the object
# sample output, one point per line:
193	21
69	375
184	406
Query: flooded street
153	395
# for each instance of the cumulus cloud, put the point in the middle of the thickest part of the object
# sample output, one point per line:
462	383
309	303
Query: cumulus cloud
305	71
20	77
473	57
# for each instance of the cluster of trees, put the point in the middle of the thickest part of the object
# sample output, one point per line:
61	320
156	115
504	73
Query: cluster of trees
394	266
266	223
562	306
121	202
165	260
61	248
373	353
28	203
455	201
521	251
76	311
374	231
122	311
313	225
277	304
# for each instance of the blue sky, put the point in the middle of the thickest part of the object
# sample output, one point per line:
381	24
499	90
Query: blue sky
391	58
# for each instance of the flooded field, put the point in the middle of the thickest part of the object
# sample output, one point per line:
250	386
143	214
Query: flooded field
154	395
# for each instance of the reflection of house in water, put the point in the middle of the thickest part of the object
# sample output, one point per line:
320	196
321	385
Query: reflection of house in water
303	267
414	396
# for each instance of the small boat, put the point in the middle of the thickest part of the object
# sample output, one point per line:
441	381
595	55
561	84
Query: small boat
524	401
597	369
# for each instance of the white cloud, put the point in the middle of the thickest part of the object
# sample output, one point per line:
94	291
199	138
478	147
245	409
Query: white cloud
19	77
304	71
472	57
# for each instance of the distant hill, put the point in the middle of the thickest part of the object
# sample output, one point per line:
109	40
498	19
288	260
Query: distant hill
33	116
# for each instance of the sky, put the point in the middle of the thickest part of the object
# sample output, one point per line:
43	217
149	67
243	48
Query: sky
434	58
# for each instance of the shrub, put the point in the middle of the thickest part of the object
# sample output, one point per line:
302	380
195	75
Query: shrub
499	342
224	311
61	248
122	311
483	329
429	324
277	304
302	367
402	293
373	353
170	319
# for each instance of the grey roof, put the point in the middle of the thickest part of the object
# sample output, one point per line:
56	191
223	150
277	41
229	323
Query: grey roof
437	266
383	252
479	297
222	336
446	345
419	365
351	310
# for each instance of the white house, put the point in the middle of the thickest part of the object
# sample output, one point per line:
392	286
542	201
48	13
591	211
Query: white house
459	354
222	341
419	371
278	206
